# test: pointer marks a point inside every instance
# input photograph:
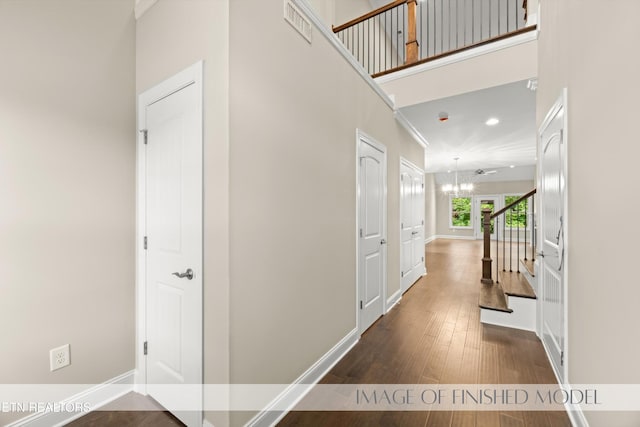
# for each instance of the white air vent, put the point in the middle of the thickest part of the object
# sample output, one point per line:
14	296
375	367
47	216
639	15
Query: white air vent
297	20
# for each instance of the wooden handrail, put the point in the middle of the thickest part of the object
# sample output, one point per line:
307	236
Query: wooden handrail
512	204
371	14
455	51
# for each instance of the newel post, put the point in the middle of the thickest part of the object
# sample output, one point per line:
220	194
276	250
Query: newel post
486	259
411	47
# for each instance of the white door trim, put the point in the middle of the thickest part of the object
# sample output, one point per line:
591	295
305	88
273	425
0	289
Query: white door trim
360	135
477	214
193	75
561	103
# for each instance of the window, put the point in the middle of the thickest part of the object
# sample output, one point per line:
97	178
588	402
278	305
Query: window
517	217
460	210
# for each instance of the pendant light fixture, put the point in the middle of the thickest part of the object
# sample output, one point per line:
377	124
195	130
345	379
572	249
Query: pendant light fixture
456	188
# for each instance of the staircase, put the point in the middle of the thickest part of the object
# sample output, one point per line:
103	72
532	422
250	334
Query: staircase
510	299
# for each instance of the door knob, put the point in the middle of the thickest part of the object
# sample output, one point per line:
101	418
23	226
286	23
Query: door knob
413	233
188	274
383	241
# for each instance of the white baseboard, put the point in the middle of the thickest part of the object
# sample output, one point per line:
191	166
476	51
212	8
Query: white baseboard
393	300
430	239
96	396
454	236
575	413
268	417
206	423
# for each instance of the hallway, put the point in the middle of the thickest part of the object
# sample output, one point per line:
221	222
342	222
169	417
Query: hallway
434	335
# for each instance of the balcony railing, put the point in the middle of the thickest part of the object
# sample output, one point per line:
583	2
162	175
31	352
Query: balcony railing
408	32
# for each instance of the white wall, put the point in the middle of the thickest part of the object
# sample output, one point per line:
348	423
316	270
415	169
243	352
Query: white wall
430	209
172	35
295	108
590	49
67	189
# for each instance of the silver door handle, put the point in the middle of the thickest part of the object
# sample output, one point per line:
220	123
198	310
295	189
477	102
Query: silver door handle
188	274
413	233
383	241
541	254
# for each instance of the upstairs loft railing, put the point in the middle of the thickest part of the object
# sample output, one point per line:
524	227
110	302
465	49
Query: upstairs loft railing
409	32
514	226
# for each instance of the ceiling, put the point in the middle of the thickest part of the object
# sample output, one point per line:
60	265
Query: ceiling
465	134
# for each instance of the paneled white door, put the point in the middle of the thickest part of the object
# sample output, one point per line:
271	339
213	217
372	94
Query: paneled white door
412	265
551	237
173	192
372	255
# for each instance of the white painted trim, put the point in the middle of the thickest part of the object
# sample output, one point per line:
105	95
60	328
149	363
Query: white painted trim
96	396
453	236
430	239
458	57
291	395
362	136
419	138
575	412
393	300
307	10
142	6
192	75
523	316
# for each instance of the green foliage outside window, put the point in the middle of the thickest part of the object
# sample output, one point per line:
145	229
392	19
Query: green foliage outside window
461	211
517	216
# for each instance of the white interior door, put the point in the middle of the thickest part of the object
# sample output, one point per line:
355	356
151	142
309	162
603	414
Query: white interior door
551	238
485	202
412	265
372	257
173	191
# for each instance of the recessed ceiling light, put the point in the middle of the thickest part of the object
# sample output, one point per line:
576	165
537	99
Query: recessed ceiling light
512	166
492	121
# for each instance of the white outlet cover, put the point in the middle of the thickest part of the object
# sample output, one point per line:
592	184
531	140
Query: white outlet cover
59	357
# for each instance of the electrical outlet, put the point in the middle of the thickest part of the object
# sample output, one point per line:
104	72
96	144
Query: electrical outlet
59	357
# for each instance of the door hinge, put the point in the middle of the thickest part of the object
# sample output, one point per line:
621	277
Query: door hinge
422	259
562	358
361	232
402	225
423	185
423	222
145	243
144	135
144	348
360	305
402	274
401	177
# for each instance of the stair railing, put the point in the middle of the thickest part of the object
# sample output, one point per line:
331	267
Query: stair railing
509	215
405	33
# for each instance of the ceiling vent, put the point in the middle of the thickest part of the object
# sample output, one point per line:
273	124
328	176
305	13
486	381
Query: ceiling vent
297	19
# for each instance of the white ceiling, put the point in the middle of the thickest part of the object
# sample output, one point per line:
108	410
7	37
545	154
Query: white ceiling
465	134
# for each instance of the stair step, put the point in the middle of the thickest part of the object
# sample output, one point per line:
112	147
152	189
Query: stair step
528	264
515	284
492	297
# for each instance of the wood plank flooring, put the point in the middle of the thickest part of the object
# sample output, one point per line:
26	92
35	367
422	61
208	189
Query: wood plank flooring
435	336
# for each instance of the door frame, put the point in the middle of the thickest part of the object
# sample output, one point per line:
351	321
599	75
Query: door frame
561	103
411	165
477	213
362	136
192	75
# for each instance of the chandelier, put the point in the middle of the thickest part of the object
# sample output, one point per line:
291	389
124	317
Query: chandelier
456	188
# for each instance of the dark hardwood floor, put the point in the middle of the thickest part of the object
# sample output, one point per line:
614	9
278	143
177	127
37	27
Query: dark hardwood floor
434	336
